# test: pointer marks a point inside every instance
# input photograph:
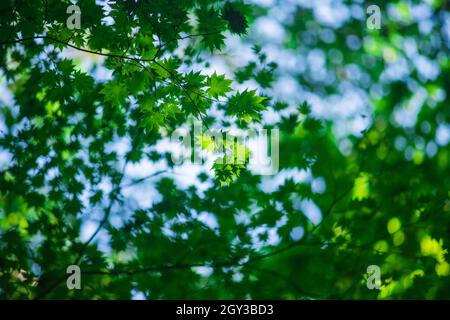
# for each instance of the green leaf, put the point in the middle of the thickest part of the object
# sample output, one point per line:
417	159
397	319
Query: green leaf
245	105
114	92
304	108
237	23
210	26
218	85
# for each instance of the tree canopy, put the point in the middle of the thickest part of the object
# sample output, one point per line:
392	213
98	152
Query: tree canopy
87	175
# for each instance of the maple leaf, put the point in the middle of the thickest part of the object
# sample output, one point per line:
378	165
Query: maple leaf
114	92
245	105
304	108
237	23
218	85
210	25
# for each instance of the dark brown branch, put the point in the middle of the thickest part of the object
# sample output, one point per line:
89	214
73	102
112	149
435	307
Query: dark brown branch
111	55
137	181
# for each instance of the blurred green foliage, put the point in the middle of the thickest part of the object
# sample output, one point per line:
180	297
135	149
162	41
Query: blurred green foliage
385	190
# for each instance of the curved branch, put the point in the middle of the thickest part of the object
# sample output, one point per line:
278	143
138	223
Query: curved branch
111	55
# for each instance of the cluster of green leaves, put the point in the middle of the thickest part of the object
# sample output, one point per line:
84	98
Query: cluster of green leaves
384	200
